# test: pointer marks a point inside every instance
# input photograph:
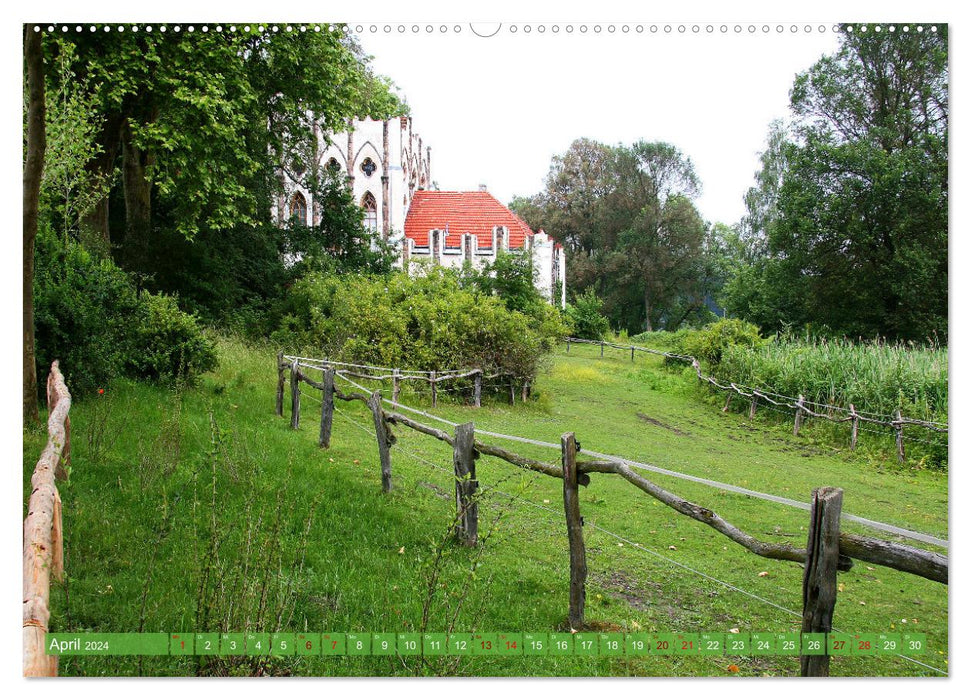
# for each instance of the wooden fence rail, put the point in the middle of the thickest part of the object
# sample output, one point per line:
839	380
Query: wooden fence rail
43	534
827	550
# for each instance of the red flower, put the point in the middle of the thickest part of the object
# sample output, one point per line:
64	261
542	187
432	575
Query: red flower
101	392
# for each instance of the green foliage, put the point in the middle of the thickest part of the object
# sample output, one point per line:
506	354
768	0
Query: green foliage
877	377
585	316
709	344
426	321
627	216
847	226
89	316
167	343
511	277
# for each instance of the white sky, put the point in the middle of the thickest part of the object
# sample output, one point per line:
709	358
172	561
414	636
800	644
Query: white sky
496	110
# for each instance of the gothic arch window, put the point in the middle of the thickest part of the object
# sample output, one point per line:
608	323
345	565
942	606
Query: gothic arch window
298	209
370	206
333	166
368	167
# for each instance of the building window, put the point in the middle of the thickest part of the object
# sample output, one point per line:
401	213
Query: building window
370	206
333	166
368	167
298	209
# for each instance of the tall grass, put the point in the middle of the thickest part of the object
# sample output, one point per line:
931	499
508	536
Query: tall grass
876	377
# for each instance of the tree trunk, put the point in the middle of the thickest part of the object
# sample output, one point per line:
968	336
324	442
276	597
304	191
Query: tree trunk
647	312
138	198
33	170
102	166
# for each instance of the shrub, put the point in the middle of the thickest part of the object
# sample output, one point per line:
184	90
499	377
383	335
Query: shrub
418	322
88	315
168	343
585	317
709	344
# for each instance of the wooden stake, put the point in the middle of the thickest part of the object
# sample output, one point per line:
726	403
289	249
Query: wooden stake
280	381
601	348
574	531
728	402
900	437
463	457
525	392
512	391
753	406
855	426
568	345
631	353
797	421
294	396
397	385
327	409
384	439
434	383
819	578
477	390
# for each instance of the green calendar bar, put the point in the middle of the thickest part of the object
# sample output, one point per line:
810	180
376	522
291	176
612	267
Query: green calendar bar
106	644
483	644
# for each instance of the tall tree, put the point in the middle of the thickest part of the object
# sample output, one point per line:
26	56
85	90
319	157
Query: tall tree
33	171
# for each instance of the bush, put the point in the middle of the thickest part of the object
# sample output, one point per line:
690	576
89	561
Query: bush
423	322
168	343
585	317
709	344
88	315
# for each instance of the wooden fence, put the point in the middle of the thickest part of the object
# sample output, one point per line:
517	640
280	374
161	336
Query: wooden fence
803	409
398	376
43	535
827	551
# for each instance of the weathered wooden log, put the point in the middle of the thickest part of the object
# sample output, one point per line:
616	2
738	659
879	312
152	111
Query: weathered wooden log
854	430
294	396
395	418
770	550
477	389
384	437
527	463
463	458
574	531
434	383
327	409
902	557
43	537
797	421
819	577
899	428
280	382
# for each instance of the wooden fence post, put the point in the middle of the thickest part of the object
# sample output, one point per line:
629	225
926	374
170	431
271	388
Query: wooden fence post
753	406
294	396
855	426
327	408
899	423
631	353
463	458
384	439
280	382
525	391
574	530
568	345
397	385
477	389
512	390
601	348
819	578
728	402
797	421
434	383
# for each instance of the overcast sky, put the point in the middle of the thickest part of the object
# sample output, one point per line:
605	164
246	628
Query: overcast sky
495	110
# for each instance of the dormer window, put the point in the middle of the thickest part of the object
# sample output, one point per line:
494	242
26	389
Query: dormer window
368	167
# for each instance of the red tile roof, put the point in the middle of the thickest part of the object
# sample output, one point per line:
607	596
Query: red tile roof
462	212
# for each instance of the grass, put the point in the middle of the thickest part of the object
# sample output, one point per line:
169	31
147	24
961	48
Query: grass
200	510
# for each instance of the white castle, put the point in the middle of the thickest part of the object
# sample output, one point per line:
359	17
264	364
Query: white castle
388	169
